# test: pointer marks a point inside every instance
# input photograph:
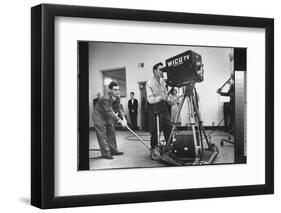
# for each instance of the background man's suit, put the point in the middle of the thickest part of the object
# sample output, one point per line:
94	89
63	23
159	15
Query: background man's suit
133	112
95	101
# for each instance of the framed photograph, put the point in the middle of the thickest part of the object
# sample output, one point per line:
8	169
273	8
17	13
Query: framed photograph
139	106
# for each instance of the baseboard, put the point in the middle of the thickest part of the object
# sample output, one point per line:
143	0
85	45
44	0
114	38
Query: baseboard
178	128
205	127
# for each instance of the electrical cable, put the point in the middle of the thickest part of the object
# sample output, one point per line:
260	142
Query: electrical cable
215	128
132	138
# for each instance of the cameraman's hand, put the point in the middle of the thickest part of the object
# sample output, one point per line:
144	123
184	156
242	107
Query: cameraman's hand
164	97
169	100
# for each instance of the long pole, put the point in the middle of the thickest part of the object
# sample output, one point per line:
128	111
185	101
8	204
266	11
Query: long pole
137	137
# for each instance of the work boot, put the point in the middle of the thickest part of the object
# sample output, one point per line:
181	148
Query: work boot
117	153
108	156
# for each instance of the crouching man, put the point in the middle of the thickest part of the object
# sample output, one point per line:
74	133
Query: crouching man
104	117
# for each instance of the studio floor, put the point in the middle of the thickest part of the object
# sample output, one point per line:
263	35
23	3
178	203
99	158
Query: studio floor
136	155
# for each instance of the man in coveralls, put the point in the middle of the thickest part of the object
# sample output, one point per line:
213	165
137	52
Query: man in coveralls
158	98
105	116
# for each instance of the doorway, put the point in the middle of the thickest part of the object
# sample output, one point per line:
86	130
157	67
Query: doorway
144	106
118	75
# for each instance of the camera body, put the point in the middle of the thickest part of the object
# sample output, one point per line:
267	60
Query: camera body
185	146
184	68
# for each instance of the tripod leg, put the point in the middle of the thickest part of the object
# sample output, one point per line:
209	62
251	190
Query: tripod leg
200	121
196	141
174	125
158	130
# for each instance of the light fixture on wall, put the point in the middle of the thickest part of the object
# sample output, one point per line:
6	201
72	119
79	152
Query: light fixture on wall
141	65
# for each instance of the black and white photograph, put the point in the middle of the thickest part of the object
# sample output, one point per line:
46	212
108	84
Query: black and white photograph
159	105
143	105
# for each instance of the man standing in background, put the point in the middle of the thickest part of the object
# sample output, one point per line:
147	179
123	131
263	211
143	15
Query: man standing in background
104	116
96	99
228	107
133	111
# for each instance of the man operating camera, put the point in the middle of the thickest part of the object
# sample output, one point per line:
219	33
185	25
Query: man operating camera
105	115
158	98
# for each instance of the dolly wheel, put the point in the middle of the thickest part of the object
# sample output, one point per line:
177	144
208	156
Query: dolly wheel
155	153
215	148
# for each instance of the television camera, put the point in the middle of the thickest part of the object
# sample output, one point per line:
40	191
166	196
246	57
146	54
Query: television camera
184	68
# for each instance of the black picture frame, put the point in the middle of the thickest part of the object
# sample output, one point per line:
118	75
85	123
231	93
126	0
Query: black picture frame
43	102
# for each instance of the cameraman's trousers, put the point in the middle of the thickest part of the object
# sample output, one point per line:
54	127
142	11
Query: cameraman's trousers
161	110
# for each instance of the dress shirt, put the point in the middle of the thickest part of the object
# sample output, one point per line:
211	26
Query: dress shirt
155	90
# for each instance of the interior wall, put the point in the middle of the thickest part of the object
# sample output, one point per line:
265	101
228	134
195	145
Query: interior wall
105	56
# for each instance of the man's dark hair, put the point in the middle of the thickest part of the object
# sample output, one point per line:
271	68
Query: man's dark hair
112	84
132	93
155	67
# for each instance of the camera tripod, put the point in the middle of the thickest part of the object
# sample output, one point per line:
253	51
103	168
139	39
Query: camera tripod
194	124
